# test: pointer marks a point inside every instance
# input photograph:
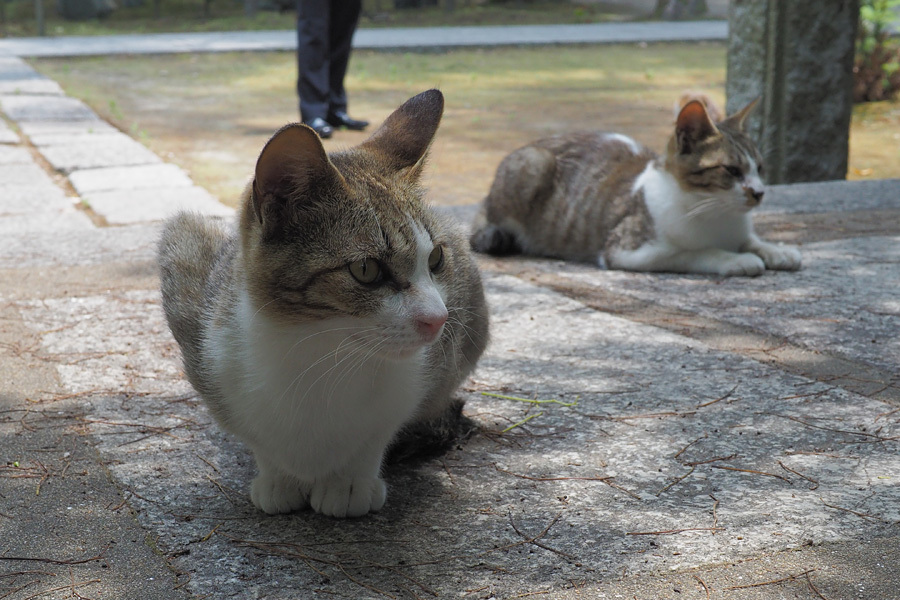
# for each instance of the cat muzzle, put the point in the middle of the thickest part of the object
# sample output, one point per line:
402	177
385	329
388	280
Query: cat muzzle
430	327
754	196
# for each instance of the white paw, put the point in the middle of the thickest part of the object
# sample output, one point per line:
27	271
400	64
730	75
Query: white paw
780	258
277	494
742	265
341	497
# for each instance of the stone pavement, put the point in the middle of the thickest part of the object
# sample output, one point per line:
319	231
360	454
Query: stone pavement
639	436
408	38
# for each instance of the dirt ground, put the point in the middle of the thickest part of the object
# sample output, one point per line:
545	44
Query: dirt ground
211	114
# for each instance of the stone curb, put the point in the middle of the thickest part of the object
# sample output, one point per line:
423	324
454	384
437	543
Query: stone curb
371	39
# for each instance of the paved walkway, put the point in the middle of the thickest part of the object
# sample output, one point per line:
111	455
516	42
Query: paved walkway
373	39
712	439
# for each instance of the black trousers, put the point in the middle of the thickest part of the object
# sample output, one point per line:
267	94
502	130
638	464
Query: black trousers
324	35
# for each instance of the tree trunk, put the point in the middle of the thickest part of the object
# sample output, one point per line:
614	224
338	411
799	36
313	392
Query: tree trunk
676	10
39	16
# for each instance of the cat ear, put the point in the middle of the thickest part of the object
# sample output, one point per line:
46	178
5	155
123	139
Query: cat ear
292	162
693	126
736	121
403	139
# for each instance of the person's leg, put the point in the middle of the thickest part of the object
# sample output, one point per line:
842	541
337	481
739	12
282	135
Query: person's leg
313	59
344	18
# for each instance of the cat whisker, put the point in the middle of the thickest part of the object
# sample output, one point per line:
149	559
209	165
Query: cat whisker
354	338
332	330
354	367
705	205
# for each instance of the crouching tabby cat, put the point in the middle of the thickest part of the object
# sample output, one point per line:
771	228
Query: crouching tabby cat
602	198
339	310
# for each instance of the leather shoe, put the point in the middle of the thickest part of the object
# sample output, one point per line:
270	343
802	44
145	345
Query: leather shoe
340	118
320	126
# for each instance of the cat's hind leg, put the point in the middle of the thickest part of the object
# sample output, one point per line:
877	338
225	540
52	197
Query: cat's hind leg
493	239
523	180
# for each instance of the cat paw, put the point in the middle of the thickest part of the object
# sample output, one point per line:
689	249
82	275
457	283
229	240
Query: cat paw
277	494
743	265
780	258
342	497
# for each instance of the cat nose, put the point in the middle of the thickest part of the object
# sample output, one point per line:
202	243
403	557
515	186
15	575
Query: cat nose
754	196
429	326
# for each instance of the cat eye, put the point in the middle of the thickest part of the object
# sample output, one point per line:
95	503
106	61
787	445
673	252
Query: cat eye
366	270
436	258
734	171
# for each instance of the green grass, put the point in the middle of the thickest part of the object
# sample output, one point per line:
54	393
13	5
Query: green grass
229	15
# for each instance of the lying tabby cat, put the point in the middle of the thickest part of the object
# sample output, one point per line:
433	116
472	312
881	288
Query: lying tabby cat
338	311
603	198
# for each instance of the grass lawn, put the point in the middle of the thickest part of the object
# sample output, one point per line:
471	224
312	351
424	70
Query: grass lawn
212	113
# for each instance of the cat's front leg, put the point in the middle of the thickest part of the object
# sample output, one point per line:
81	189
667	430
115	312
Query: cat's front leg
354	491
275	492
775	256
664	257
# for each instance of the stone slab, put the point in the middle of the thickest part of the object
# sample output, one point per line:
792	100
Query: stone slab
141	205
49	133
14	155
620	476
17	77
98	150
45	108
7	135
843	301
52	132
44	248
30	86
41	196
12	68
60	222
90	181
22	174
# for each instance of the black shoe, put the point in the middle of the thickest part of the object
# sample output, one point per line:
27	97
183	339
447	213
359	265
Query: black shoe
340	118
321	126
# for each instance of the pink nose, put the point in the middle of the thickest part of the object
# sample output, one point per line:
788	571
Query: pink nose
429	326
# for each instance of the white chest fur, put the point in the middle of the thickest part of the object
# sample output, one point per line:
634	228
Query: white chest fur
311	397
693	220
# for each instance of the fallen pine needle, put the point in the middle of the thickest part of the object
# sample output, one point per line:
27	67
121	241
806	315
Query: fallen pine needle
773	582
529	401
775	475
674	531
522	422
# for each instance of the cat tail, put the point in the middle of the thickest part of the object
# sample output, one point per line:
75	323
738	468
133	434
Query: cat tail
188	249
488	238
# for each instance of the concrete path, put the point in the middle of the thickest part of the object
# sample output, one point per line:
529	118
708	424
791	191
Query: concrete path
660	436
371	39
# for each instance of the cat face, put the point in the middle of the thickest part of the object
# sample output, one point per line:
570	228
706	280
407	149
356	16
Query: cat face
718	163
346	236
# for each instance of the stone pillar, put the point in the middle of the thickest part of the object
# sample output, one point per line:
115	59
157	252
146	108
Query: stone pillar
797	55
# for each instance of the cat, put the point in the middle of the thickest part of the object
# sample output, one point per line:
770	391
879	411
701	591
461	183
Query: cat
604	198
712	109
338	309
